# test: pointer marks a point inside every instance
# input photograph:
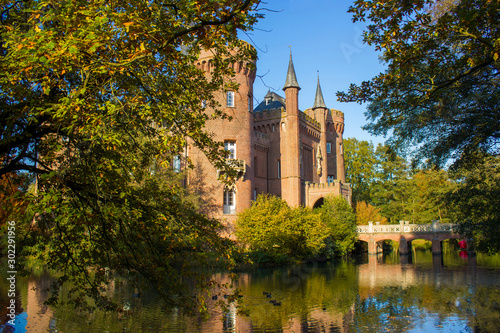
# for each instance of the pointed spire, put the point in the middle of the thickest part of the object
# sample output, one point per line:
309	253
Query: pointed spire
318	100
291	78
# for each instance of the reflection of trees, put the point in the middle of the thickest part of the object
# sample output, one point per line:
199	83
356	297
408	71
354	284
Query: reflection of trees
485	316
312	292
399	309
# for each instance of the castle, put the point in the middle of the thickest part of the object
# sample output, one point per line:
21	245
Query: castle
275	147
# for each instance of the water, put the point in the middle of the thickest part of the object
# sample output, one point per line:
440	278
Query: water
384	293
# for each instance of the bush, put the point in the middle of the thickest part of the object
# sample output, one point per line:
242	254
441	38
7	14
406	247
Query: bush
272	226
340	220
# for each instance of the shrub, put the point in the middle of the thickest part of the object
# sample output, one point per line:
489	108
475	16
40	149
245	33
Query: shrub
272	226
339	218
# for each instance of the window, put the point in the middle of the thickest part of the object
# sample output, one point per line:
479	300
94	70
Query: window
249	103
230	99
279	169
231	147
341	149
329	179
255	190
203	104
177	163
229	202
328	148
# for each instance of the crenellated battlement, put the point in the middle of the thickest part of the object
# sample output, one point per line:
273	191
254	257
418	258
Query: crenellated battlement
310	120
335	183
337	113
269	114
205	61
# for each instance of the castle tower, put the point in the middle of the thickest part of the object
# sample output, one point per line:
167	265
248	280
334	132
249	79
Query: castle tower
338	123
321	112
291	188
237	135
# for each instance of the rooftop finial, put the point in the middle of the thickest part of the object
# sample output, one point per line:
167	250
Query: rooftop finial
319	102
291	78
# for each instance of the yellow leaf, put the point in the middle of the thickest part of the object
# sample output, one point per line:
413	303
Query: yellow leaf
495	56
142	47
128	24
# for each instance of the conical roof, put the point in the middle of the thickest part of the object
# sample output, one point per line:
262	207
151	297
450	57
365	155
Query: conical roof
291	78
319	102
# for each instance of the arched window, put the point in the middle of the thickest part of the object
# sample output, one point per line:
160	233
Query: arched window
229	201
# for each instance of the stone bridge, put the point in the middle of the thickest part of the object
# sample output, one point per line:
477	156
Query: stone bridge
404	233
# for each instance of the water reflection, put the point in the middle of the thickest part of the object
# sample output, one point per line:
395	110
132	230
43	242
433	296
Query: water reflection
419	293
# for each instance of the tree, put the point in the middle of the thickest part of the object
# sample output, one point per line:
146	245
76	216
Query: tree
340	221
389	190
477	201
97	98
360	166
12	187
366	212
440	92
428	202
272	226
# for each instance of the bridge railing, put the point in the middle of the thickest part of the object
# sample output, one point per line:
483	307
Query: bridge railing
405	227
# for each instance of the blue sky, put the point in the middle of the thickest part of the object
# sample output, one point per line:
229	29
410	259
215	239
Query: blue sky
323	38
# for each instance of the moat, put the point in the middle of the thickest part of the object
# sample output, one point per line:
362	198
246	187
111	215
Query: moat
454	292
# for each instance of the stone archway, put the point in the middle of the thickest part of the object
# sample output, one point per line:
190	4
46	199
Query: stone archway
319	203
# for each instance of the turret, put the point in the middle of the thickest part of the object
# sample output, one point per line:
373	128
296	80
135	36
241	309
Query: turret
320	112
290	141
338	123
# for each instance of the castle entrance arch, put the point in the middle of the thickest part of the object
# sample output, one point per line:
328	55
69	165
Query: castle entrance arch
319	203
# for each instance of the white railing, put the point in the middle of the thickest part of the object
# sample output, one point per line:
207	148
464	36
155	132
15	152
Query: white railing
405	227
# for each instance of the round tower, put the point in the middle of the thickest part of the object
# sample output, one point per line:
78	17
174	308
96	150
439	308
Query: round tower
338	124
320	113
291	187
235	100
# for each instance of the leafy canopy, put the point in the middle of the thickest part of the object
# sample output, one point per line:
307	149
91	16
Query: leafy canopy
272	226
97	98
440	92
340	221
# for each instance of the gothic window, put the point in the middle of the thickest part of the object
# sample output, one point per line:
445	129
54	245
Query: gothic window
230	99
231	147
229	201
328	148
279	169
329	179
341	149
203	104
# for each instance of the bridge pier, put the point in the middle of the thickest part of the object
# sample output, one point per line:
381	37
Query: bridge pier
436	247
403	246
373	247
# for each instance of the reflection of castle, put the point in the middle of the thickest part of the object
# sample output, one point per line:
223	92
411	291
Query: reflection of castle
277	148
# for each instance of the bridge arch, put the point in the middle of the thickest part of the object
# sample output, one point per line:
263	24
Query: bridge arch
404	234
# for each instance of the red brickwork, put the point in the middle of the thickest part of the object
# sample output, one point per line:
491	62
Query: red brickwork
284	150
